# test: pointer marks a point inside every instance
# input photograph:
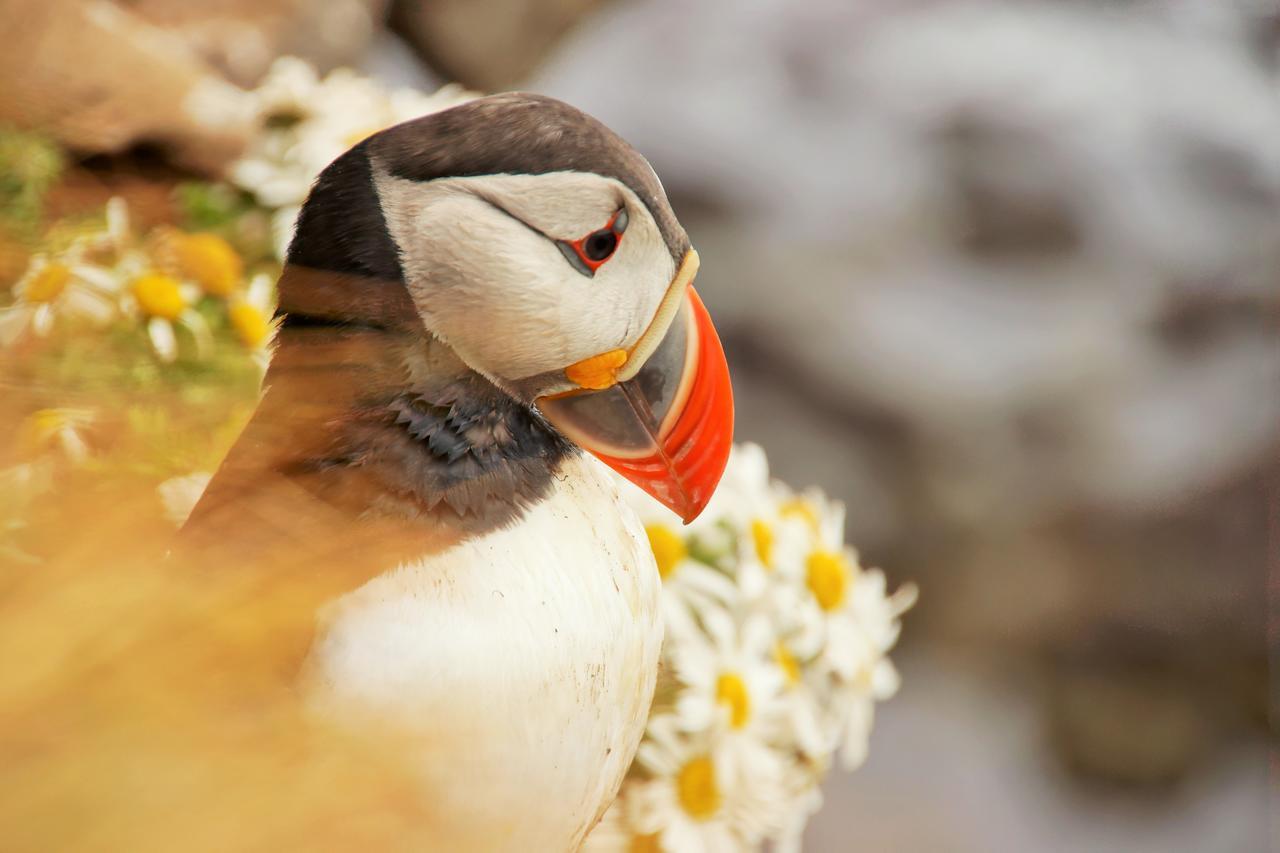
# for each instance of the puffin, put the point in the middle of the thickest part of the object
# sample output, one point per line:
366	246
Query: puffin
481	312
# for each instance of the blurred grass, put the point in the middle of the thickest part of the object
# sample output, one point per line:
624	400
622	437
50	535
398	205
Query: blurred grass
29	165
147	703
150	421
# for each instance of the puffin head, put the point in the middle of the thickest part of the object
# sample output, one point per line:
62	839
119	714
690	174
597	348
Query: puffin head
539	248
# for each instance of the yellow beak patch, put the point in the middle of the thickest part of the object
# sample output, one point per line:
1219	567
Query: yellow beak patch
599	371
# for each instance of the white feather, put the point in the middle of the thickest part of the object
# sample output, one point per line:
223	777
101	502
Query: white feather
522	663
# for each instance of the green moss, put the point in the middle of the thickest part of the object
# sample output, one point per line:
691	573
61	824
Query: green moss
29	164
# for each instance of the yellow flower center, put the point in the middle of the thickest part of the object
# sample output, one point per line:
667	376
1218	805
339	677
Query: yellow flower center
828	578
208	260
249	323
668	548
762	535
159	296
644	844
788	663
697	790
731	691
801	508
47	284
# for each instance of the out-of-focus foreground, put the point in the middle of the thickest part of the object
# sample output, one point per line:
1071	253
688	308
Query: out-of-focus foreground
1003	276
149	705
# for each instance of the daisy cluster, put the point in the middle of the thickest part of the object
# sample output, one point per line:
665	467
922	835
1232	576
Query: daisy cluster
110	274
774	659
306	121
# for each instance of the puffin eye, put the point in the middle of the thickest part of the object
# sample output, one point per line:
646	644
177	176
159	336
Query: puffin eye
586	254
600	245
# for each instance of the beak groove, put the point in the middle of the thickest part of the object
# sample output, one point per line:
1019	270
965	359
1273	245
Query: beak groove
689	457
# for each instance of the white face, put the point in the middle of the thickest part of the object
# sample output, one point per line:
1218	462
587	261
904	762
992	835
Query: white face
483	268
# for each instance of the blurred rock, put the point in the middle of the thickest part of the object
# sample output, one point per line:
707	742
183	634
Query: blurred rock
488	45
241	37
1024	259
1127	721
955	766
98	78
102	77
1052	245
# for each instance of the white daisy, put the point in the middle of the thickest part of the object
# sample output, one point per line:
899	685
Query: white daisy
307	121
690	587
117	234
778	642
202	259
853	700
804	797
774	527
692	798
732	683
166	304
287	88
832	703
805	724
58	431
283	221
737	531
179	495
853	708
818	610
206	264
617	833
250	314
53	287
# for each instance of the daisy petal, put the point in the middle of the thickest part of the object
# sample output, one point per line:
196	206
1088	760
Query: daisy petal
163	341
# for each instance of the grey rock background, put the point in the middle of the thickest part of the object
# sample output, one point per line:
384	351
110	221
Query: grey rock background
1006	278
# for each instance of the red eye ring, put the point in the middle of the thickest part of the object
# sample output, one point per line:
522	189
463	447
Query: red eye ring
588	253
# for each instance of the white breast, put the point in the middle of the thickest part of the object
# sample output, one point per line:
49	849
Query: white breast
524	660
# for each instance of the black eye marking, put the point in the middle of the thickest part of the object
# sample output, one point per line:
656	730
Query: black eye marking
586	254
571	255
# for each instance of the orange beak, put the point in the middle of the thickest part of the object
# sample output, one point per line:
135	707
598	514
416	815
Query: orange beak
666	424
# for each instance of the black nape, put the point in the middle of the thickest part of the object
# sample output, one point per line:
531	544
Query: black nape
343	268
341	228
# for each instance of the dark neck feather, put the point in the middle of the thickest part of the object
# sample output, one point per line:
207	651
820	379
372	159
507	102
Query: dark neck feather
361	424
448	443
